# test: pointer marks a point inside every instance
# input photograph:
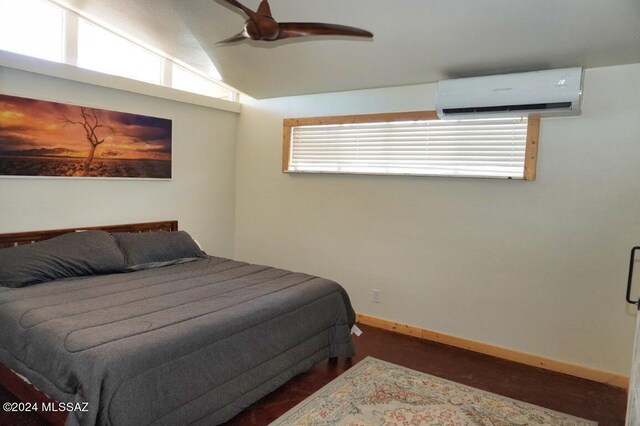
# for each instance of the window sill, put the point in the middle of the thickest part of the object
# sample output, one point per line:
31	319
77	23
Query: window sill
68	72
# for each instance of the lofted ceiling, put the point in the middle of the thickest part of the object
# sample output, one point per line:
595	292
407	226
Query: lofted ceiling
415	41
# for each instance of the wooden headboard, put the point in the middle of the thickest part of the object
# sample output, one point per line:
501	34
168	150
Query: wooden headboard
8	379
19	238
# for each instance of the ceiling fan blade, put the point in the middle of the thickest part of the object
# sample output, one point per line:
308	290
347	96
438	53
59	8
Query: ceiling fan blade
264	9
250	13
302	29
240	36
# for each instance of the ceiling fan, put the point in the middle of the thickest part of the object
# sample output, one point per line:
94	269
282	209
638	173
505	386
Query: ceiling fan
262	26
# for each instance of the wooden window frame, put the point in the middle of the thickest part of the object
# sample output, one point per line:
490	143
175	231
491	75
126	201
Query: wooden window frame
531	149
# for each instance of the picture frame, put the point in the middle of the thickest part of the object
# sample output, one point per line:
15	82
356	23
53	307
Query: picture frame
40	138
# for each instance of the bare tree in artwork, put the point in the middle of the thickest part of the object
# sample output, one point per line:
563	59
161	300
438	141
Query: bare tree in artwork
91	124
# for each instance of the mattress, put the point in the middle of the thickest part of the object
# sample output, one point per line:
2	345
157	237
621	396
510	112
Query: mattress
194	343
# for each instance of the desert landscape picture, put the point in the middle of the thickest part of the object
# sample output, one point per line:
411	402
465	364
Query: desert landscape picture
43	138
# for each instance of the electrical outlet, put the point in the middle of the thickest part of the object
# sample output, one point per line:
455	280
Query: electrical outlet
375	295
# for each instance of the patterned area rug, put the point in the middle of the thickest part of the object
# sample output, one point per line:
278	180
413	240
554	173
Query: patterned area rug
379	393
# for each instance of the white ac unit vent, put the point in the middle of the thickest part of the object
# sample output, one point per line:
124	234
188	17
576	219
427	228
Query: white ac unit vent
543	93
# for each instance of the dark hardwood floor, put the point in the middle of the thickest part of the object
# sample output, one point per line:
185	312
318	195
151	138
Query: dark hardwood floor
591	400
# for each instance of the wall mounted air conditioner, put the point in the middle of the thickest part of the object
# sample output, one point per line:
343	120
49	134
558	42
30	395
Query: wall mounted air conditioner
543	93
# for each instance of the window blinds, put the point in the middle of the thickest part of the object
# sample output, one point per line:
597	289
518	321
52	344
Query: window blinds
474	148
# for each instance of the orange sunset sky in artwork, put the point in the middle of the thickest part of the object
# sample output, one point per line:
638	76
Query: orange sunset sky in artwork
30	127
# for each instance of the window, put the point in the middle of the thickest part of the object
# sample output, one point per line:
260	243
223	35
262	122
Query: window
32	28
104	51
57	33
183	79
413	143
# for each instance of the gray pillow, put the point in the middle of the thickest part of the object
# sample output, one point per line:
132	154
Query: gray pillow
154	249
70	255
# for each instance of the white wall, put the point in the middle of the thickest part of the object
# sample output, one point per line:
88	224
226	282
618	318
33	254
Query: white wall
538	267
201	194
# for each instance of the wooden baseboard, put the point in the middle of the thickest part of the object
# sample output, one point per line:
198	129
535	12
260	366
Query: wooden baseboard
497	351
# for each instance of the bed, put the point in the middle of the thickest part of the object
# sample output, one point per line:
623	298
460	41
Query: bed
186	343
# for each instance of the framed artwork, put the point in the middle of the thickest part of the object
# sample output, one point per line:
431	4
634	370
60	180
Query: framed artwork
42	138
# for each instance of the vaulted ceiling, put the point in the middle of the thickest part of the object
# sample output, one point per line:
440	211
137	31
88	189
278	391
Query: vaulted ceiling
415	41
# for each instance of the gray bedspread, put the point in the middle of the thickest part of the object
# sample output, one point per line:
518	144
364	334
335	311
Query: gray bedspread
194	343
